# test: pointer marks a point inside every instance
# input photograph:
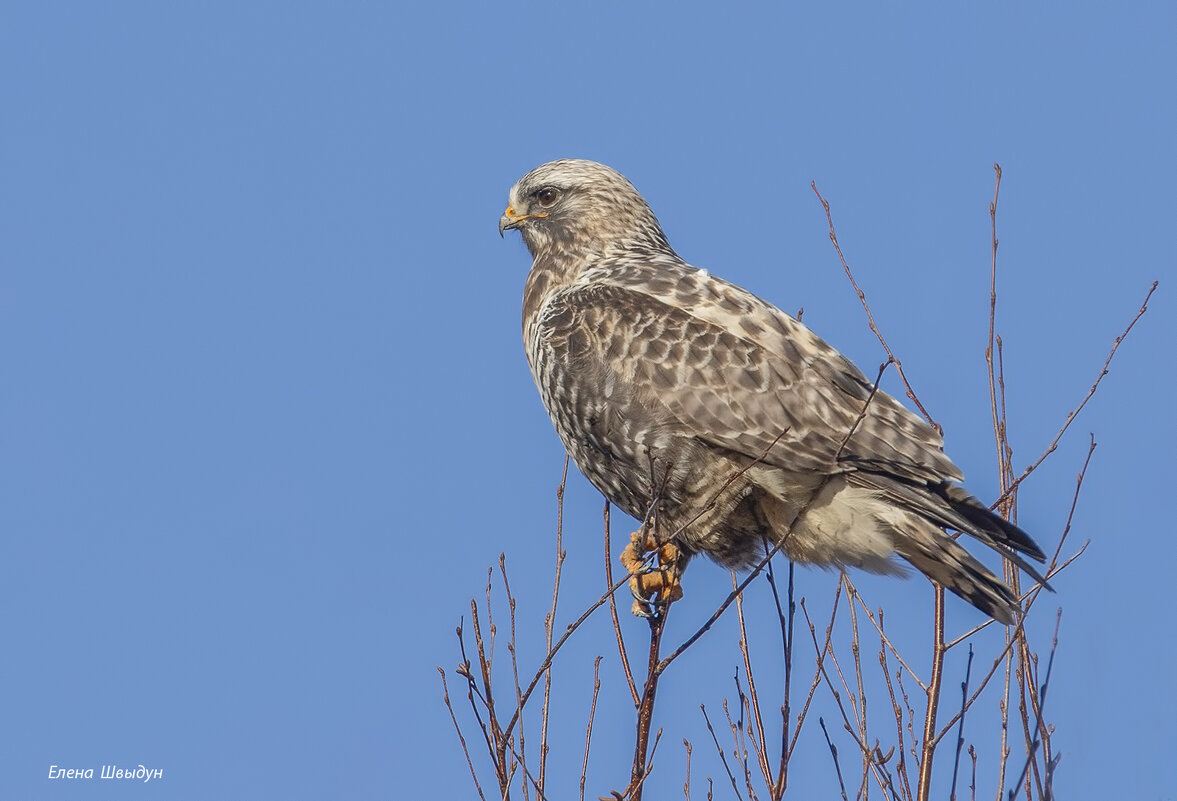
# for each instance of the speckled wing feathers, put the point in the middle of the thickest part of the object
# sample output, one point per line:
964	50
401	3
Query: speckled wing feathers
742	374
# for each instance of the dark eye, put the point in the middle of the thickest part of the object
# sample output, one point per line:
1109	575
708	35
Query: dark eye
547	196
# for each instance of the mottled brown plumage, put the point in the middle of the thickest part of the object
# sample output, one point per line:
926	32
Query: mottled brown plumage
688	400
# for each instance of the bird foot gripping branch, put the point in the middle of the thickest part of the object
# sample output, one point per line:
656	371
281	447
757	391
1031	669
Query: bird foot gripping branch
655	569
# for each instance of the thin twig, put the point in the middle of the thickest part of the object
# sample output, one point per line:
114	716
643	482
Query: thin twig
568	632
1071	415
497	733
588	735
719	749
472	690
887	642
862	745
779	784
856	652
996	407
924	786
1011	641
1003	705
913	740
834	754
1056	567
633	689
739	737
1041	703
515	670
649	768
818	669
869	316
445	690
964	695
973	774
884	645
549	623
718	613
1006	503
759	738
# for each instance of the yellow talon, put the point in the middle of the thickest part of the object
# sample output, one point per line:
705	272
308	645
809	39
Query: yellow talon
654	586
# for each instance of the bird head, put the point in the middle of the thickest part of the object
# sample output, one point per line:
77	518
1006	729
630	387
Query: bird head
581	206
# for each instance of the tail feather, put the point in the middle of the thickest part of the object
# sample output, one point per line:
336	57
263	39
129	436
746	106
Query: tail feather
999	529
947	505
951	506
942	559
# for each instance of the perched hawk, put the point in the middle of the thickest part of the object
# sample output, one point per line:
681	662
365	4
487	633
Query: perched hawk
720	421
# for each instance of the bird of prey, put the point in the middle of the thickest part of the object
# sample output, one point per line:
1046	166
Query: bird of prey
722	423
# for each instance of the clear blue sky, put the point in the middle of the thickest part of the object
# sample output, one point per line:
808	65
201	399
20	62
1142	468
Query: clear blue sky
265	416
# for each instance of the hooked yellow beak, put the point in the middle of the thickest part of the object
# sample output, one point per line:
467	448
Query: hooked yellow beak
510	220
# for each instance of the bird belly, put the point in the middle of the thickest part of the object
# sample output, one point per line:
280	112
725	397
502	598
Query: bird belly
827	522
635	454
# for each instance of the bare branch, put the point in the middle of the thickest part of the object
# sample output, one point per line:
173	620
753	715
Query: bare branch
819	670
887	642
924	787
1090	392
568	632
856	652
759	738
869	316
633	689
514	671
1041	703
884	645
833	754
445	690
588	735
777	788
719	749
549	622
1055	568
996	405
646	707
718	613
964	695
